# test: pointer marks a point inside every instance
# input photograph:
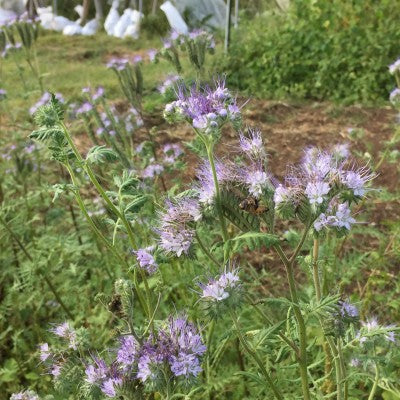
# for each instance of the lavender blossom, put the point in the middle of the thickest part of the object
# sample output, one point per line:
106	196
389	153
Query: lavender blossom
206	108
206	186
118	64
152	170
168	83
356	180
395	67
394	96
25	395
348	310
44	352
66	332
85	108
3	94
97	372
171	152
146	260
252	145
128	350
317	191
108	386
152	53
256	180
220	288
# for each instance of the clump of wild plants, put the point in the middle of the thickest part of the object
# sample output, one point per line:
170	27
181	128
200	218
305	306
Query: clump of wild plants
202	230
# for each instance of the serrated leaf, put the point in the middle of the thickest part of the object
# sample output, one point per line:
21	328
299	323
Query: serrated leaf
101	154
253	240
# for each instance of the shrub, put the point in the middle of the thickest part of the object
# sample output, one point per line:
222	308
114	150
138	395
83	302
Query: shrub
337	50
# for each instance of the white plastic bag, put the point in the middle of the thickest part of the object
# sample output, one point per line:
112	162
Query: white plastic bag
174	18
133	28
111	20
90	28
123	23
72	29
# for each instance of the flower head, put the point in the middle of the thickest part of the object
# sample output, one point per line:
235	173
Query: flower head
220	288
66	332
252	144
25	395
146	259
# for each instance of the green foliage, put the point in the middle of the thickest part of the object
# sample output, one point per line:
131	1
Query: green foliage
337	50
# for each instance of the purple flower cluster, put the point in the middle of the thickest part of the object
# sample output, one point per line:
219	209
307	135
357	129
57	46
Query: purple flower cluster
45	99
172	151
338	215
95	95
177	346
176	230
206	186
329	183
395	67
146	259
66	332
25	395
3	94
118	64
371	329
52	362
198	36
348	310
394	96
204	108
252	144
9	48
220	288
152	170
168	83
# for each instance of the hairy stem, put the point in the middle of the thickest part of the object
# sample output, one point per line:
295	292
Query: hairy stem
252	353
217	192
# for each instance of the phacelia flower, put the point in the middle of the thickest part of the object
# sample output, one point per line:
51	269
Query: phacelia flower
252	144
356	180
25	395
220	288
65	331
256	180
206	108
395	67
146	259
168	83
128	350
317	191
44	352
394	96
152	171
171	152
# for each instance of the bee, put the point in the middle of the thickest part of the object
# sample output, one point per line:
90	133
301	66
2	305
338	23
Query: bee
252	205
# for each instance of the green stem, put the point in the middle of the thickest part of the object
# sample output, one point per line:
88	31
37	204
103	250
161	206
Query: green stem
44	276
210	156
205	251
334	350
89	219
375	385
252	353
317	283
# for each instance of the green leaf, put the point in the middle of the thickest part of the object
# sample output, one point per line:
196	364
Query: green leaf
101	154
253	240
